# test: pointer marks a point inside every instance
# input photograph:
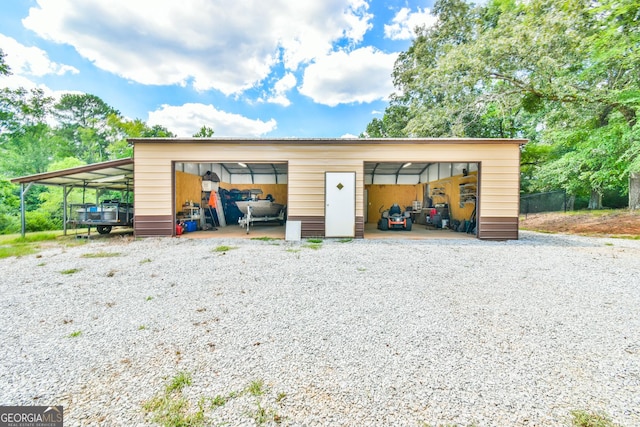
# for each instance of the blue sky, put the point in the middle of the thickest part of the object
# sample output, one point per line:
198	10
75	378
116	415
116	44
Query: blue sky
247	68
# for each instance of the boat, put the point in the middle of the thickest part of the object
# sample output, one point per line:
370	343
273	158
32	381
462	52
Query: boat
260	208
257	210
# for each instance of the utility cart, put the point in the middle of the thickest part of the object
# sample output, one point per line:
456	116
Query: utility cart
104	216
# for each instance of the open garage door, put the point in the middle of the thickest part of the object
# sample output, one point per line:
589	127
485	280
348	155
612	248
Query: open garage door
222	204
436	196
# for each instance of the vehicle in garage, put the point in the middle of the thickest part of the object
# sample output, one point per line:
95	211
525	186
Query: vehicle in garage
395	219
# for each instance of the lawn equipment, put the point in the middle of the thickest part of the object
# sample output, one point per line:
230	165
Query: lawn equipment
394	219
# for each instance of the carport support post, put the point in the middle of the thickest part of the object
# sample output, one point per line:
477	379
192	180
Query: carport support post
66	191
23	222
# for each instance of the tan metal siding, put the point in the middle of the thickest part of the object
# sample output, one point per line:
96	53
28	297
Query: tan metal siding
308	160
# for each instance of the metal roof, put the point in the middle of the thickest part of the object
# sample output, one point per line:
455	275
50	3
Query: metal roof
110	175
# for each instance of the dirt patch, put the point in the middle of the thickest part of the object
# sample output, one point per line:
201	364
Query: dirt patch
605	223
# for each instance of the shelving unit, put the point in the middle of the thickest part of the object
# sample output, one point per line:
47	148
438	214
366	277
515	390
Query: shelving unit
468	190
438	193
190	213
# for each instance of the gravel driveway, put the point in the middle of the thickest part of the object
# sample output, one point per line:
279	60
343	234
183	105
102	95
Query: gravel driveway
392	332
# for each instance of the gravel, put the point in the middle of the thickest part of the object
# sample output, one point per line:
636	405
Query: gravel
353	333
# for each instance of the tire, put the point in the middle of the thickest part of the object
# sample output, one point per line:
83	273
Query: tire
409	224
103	229
383	224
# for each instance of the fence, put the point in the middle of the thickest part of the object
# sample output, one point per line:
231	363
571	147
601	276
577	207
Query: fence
551	201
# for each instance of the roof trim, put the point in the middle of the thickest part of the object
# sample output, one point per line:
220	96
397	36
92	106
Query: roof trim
42	178
323	141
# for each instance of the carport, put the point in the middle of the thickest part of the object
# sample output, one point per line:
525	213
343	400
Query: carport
114	175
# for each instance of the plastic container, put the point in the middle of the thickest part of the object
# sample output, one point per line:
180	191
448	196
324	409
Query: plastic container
191	226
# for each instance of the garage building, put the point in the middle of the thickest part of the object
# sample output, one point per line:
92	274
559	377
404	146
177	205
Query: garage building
333	187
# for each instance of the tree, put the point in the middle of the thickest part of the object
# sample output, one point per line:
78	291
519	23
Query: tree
27	142
204	132
84	126
121	129
4	68
543	69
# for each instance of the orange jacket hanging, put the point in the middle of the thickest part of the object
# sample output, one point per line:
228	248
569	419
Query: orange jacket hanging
212	200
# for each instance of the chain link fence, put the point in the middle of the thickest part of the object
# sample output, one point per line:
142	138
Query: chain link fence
551	201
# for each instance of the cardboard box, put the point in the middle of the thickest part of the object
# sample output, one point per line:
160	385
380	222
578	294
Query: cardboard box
209	186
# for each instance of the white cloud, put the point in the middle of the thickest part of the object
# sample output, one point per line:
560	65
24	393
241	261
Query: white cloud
280	89
227	45
187	119
30	61
405	22
363	75
349	136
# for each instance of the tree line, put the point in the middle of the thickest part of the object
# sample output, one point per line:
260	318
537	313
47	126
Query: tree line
40	134
564	74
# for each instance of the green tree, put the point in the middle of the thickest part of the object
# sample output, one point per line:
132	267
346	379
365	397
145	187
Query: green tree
27	142
204	132
84	127
562	73
122	128
4	68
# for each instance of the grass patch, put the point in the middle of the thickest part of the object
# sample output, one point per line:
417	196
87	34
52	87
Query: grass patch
101	254
17	250
313	243
149	298
171	408
314	246
256	388
146	260
16	245
224	248
591	419
346	240
180	381
142	327
626	237
34	237
70	271
218	401
265	238
74	334
293	251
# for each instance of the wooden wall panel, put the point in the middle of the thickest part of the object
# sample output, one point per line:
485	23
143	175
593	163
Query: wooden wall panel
188	187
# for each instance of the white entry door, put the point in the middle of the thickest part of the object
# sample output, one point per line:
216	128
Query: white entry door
340	204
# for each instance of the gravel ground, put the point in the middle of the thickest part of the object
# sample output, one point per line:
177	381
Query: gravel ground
390	332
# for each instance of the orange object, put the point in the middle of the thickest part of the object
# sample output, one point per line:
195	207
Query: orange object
212	199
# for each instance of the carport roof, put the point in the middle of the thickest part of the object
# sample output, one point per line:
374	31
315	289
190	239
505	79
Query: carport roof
110	175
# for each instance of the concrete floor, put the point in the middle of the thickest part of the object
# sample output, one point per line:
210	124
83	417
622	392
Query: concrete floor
418	232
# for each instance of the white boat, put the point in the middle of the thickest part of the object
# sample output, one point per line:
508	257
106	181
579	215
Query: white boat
260	211
260	208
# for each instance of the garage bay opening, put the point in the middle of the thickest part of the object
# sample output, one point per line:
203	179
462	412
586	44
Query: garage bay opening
414	197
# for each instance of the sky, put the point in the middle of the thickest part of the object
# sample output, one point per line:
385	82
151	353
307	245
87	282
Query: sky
245	68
